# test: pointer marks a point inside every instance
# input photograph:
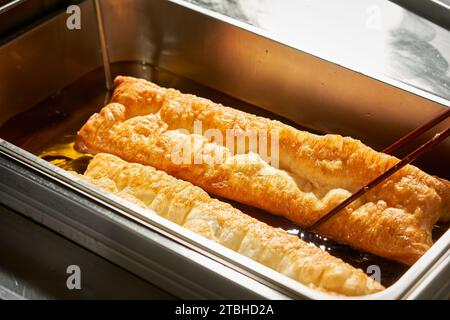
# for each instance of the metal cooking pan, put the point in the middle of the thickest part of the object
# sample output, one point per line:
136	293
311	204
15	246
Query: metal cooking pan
209	55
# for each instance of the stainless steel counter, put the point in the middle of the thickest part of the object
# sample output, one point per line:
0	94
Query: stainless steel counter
34	261
375	37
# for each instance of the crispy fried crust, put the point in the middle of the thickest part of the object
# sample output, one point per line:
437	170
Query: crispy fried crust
148	124
192	208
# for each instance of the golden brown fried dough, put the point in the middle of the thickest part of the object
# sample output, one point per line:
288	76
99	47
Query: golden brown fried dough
192	208
148	124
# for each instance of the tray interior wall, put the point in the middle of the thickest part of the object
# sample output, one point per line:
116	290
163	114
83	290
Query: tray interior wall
305	89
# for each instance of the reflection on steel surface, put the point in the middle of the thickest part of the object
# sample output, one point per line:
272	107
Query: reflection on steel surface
415	58
366	35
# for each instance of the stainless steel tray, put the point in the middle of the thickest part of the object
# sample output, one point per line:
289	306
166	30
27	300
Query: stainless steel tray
232	58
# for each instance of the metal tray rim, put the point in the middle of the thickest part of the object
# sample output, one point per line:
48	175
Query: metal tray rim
398	290
265	34
212	249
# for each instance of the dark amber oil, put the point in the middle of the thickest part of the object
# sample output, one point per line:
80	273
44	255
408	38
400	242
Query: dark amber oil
48	130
